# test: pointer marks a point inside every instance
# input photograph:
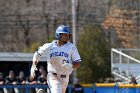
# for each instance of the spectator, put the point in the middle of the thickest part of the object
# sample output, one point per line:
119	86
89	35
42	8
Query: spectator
42	79
21	80
78	88
32	81
11	79
41	70
133	80
2	81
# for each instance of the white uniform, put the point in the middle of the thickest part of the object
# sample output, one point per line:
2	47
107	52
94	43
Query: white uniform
55	59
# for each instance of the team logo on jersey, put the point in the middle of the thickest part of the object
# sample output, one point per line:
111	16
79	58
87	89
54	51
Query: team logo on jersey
59	54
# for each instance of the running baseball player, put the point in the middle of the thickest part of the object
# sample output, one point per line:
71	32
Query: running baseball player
62	58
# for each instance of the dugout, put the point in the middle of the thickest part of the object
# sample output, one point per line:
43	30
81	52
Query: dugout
17	61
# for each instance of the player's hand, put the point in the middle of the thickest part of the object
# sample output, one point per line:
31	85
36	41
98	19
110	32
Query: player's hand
67	65
33	69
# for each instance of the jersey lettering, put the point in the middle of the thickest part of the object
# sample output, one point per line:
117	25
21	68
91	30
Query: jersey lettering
59	54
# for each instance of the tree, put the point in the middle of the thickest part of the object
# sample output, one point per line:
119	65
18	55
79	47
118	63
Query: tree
95	53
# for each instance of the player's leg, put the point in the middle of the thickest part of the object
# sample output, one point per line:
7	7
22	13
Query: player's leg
65	84
64	89
54	83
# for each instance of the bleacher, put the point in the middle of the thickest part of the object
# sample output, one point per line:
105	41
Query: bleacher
125	64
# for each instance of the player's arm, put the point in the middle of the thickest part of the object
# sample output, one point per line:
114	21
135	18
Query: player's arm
36	58
76	60
76	64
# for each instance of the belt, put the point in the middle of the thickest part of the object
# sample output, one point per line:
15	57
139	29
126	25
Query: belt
62	76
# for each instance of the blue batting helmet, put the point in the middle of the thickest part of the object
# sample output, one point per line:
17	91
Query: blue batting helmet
62	29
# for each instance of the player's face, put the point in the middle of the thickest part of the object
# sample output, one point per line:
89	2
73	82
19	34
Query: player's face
65	37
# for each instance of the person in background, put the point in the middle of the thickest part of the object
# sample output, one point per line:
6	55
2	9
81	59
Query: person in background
11	80
42	79
133	80
31	81
78	88
40	71
21	80
2	82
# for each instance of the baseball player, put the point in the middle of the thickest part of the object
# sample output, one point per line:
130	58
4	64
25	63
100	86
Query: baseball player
62	58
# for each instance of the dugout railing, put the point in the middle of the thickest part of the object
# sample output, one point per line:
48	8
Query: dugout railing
89	88
28	87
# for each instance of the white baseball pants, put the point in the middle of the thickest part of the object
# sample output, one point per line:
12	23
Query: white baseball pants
56	83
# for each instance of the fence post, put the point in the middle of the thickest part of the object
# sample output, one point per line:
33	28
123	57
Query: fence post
94	87
26	88
69	88
116	88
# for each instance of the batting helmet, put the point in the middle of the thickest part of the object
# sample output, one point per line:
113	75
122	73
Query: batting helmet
62	29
